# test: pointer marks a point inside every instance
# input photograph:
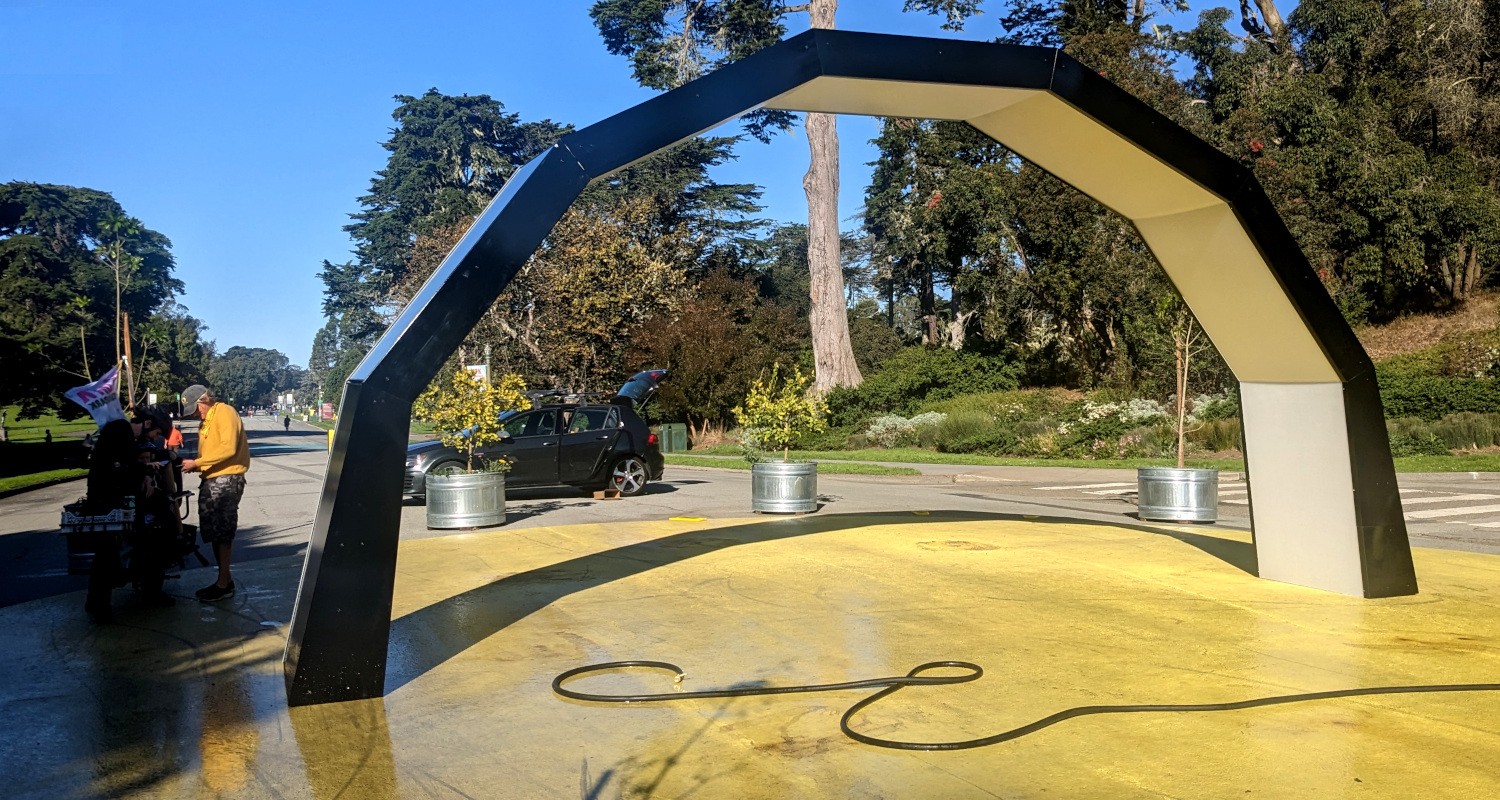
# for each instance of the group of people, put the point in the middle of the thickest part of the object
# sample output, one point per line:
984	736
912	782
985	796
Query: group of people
136	464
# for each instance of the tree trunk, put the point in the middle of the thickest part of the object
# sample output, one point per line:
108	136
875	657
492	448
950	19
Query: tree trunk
928	301
833	358
1471	271
1181	403
1271	17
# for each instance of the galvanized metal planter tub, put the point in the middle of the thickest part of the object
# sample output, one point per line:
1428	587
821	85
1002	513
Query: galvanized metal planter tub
1178	495
784	487
459	500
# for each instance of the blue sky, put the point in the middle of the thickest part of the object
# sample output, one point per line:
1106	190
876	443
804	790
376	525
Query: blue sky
245	132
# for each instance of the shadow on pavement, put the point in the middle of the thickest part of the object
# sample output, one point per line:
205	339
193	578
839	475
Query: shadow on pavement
425	639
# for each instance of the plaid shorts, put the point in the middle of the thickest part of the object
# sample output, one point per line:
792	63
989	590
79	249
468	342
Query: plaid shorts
219	507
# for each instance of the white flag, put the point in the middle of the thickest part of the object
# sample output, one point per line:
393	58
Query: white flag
101	398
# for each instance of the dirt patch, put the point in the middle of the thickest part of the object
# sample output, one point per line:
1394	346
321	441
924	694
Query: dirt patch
1421	331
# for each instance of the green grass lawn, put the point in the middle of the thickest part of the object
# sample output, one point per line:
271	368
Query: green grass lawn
914	455
823	468
35	478
35	430
1469	463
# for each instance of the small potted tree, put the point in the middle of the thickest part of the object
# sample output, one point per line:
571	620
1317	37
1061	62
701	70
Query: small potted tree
1179	494
466	414
775	412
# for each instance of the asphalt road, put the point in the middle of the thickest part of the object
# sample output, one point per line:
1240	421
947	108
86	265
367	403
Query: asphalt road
1458	511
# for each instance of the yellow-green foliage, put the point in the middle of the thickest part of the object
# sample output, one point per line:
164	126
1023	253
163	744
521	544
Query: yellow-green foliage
780	411
466	412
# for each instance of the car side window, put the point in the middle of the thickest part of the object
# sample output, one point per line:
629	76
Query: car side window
545	424
516	426
613	420
588	419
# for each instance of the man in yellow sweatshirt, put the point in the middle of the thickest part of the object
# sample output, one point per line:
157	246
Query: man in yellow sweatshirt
223	458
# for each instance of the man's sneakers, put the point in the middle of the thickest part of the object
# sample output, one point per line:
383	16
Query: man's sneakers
214	591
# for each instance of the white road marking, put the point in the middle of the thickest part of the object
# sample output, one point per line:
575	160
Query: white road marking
1449	498
1245	502
1452	512
1480	524
1083	486
1113	491
1227	492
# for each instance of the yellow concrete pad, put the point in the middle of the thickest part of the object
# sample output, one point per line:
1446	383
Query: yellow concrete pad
187	702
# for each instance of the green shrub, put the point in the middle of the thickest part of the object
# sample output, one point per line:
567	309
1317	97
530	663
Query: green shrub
1468	430
1411	444
1209	409
1412	426
1092	437
920	375
830	439
1032	427
1217	435
1406	392
996	441
1011	406
963	425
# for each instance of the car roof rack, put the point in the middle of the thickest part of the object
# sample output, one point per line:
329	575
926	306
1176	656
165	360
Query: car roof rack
540	397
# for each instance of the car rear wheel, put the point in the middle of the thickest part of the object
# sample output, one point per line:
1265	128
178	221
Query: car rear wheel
629	476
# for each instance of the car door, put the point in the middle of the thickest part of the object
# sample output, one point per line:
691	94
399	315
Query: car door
532	448
534	452
587	443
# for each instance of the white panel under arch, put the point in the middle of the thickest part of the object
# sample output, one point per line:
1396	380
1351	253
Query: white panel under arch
1301	485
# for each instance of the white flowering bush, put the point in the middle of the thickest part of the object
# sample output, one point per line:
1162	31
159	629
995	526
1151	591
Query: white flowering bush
892	431
930	419
1209	407
1141	411
1092	412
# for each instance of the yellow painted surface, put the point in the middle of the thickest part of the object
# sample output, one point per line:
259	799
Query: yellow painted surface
187	702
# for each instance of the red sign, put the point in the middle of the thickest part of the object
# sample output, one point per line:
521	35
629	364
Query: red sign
327	412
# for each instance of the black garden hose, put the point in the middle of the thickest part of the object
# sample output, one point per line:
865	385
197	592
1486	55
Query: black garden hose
915	678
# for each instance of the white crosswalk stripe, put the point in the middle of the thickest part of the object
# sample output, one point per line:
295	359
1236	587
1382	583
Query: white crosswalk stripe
1434	513
1081	486
1113	491
1452	498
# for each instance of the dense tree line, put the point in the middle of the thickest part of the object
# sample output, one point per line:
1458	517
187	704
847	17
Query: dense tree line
82	286
1375	127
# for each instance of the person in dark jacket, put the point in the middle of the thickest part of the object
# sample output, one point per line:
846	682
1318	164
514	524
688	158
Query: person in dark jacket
117	478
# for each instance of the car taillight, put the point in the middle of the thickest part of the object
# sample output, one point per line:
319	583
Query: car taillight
651	438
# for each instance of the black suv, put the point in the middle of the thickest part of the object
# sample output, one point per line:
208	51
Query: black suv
590	445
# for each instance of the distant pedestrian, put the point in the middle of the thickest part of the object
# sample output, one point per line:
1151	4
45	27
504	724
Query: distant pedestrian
48	437
286	424
223	458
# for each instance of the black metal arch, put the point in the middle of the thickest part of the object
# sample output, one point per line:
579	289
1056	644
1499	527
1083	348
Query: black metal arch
340	630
